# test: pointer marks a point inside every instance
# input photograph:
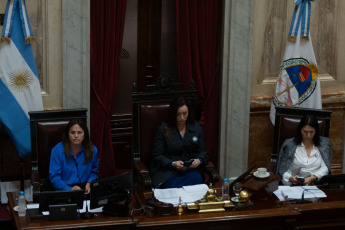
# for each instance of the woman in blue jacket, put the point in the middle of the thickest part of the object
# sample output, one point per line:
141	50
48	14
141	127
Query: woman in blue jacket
74	161
178	140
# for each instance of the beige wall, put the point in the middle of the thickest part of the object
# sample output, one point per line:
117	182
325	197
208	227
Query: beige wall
45	19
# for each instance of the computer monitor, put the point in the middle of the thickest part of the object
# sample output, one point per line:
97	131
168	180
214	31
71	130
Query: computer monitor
108	191
59	198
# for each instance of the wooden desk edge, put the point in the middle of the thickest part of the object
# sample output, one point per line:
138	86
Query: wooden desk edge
25	222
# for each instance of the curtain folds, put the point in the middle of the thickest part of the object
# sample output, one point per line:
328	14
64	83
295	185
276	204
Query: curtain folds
198	33
107	27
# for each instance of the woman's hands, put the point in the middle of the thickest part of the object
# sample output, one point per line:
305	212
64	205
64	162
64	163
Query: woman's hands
75	187
294	180
307	180
179	164
196	163
87	188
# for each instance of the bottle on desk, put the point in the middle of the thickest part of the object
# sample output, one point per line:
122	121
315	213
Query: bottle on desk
225	189
21	204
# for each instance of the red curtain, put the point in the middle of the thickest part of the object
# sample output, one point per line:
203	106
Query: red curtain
107	26
197	32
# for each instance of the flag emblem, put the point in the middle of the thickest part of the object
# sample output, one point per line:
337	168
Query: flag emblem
297	80
20	80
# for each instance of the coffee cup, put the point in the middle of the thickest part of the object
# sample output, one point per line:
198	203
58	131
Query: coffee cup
262	171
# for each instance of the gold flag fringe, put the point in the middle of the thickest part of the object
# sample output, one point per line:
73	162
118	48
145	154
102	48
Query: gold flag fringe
305	38
291	38
5	40
29	39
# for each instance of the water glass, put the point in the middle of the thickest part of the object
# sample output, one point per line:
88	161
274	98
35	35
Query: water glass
237	189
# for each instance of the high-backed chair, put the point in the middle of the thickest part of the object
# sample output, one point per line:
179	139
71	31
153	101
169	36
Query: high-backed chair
47	128
149	111
286	124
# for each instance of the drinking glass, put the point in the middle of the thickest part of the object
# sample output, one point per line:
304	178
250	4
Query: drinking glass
237	189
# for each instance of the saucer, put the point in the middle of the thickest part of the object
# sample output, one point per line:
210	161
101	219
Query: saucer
15	208
256	174
233	199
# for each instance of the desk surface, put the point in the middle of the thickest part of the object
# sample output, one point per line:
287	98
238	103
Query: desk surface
99	221
267	213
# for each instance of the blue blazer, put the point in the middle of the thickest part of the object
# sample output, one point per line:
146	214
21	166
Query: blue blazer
165	150
288	150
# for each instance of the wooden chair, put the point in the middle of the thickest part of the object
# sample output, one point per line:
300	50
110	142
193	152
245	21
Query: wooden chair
149	111
47	128
286	124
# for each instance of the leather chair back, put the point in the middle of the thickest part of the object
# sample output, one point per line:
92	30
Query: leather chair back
149	111
286	125
151	115
49	133
47	128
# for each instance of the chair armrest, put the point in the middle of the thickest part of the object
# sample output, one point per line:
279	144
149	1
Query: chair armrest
35	178
212	173
141	167
209	165
142	176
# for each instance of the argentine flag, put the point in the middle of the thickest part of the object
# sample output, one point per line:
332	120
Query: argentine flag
20	90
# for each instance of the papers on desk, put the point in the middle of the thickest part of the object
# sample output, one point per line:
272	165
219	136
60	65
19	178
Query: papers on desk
188	194
95	210
295	192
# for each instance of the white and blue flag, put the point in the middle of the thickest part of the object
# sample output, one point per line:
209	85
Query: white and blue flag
298	82
20	90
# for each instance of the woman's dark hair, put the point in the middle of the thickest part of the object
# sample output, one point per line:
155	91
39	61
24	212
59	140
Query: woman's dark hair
172	113
308	119
88	146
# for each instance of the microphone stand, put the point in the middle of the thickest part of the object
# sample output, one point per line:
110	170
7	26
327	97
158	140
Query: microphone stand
87	214
302	200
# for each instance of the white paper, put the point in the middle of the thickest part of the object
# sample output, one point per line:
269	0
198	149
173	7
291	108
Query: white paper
100	209
295	192
33	206
188	194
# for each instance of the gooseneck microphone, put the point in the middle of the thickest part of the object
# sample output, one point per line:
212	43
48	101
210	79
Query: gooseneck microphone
302	200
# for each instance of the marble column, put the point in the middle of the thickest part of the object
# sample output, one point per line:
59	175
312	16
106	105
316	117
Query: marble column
235	87
76	54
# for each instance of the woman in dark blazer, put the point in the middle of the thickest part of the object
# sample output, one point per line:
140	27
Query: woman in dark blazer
178	140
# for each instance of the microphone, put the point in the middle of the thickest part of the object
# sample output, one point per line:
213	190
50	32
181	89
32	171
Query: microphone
302	200
87	214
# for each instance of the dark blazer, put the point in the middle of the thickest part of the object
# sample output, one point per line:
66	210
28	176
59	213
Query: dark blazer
167	150
288	150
